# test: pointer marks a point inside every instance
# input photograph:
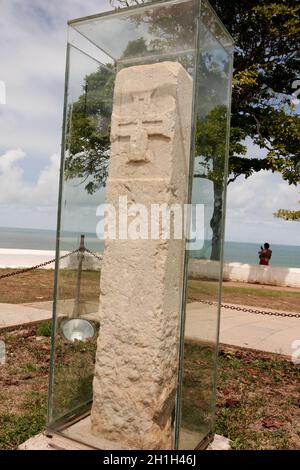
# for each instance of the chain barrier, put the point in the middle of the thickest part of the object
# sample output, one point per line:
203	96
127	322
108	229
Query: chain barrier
251	310
46	263
94	254
33	268
207	302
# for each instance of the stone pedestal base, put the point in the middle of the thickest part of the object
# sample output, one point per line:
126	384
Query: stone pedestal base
57	442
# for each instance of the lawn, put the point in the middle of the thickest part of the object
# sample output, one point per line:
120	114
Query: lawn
258	403
37	286
258	400
249	294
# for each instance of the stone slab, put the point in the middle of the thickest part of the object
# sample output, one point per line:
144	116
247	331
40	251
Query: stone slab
135	380
55	442
58	442
219	443
39	442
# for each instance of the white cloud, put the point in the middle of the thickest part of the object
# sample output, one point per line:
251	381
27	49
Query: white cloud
263	193
15	189
34	204
250	207
33	36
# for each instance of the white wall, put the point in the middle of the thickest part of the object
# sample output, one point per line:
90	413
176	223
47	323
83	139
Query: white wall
26	258
240	272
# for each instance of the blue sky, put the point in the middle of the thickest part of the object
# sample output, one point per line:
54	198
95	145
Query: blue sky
33	37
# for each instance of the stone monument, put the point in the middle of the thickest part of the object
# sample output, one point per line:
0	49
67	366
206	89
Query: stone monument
136	367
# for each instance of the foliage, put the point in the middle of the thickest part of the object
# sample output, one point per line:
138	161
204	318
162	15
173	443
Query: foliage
210	137
88	126
288	215
44	329
17	427
263	110
266	65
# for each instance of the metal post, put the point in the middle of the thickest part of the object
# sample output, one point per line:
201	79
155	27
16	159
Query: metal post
76	309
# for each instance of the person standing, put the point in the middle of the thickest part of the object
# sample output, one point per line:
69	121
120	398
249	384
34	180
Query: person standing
265	255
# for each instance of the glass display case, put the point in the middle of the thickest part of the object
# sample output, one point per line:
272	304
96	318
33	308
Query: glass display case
144	86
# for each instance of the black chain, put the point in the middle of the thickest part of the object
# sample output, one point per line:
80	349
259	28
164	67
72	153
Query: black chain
251	310
207	302
46	263
93	254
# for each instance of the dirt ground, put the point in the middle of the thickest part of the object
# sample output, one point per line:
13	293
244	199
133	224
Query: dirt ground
258	402
260	286
37	286
265	297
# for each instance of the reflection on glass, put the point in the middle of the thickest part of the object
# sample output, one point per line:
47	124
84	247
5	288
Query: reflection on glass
88	109
209	188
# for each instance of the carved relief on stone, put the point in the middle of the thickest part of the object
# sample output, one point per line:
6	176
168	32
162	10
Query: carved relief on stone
137	354
139	128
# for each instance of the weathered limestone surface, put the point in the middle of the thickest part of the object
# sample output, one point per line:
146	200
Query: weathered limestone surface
137	355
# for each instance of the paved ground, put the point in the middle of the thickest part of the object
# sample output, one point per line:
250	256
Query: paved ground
265	333
262	332
15	314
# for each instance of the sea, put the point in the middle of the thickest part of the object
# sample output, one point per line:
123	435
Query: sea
33	239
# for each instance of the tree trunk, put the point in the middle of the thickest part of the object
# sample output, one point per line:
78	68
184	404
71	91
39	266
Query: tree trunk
216	222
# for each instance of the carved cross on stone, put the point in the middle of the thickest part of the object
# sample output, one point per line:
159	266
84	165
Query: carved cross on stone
137	130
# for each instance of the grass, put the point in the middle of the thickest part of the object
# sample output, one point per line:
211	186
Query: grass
258	403
17	428
27	420
257	397
37	286
73	375
258	400
258	296
23	385
44	329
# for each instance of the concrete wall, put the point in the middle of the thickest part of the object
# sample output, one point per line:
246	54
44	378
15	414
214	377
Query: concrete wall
198	269
252	273
26	258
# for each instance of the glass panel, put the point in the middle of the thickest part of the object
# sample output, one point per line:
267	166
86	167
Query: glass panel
212	22
87	116
89	100
159	29
212	109
166	31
